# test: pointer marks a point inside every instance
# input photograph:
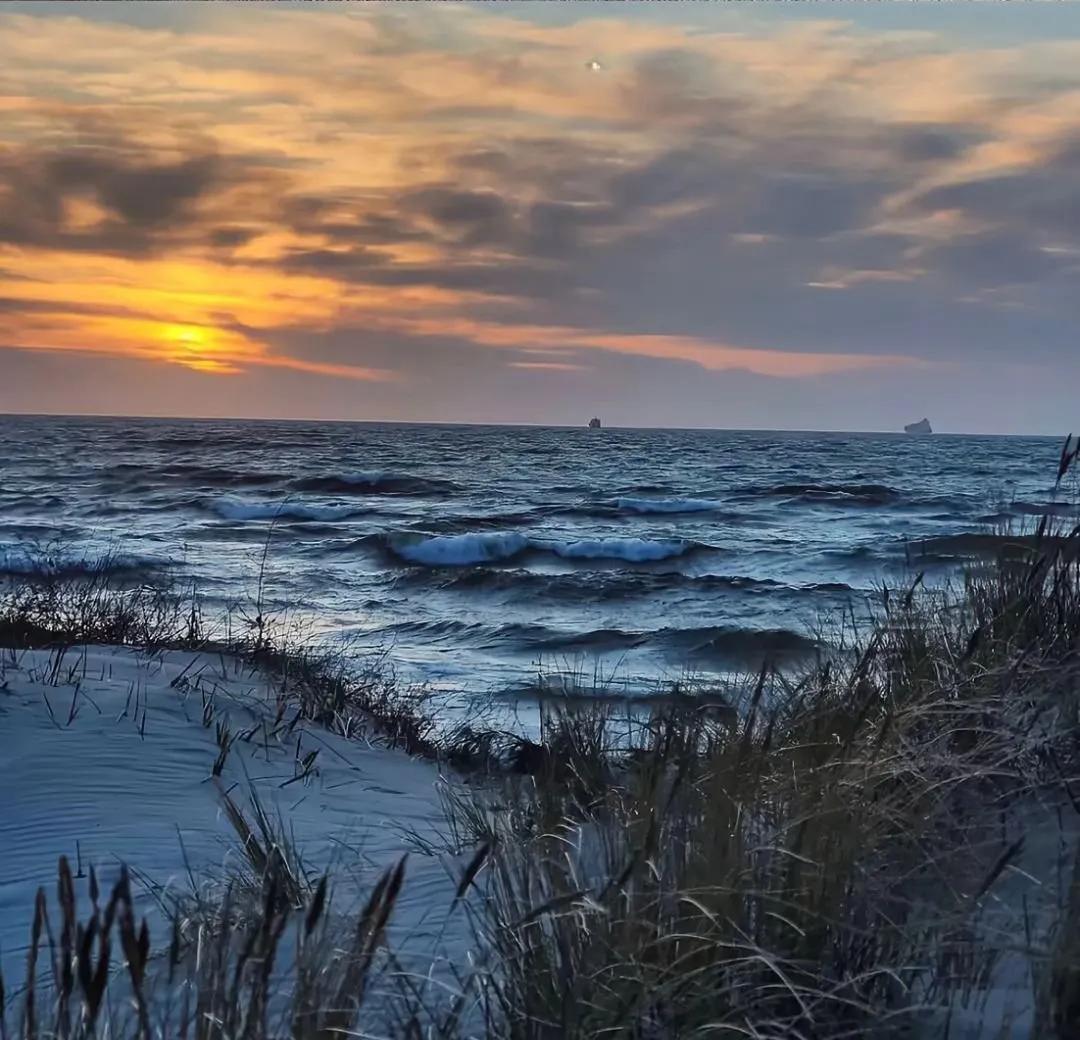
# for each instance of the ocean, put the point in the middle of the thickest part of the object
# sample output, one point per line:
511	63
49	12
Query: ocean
479	557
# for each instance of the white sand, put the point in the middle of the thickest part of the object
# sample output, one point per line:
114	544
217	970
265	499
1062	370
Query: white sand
109	762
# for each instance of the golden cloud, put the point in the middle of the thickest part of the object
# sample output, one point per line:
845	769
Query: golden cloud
346	111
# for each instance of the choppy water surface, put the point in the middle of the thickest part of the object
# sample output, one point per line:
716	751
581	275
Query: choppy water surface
476	553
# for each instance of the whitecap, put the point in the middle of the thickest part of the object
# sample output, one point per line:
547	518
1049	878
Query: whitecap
633	550
460	550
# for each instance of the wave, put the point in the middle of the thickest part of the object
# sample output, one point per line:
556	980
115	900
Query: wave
517	636
853	554
200	441
26	562
376	482
583	585
188	473
517	584
461	550
37	533
469	523
730	645
239	509
596	640
464	550
667	505
632	550
33	503
642	489
841	494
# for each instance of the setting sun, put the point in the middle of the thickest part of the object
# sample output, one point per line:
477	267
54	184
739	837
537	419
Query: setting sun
198	348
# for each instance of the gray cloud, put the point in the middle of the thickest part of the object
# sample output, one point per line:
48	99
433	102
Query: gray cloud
1046	200
344	264
471	218
814	204
142	195
995	258
930	143
147	204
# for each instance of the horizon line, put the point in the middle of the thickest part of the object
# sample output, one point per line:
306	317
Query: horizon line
510	425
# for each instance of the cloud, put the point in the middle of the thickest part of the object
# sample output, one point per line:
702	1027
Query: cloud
793	199
122	200
468	218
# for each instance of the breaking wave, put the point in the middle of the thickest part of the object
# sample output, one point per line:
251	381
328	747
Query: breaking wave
631	550
460	550
463	550
26	562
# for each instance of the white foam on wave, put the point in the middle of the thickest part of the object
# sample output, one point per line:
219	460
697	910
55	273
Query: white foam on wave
459	550
20	560
462	550
633	550
667	505
239	509
365	476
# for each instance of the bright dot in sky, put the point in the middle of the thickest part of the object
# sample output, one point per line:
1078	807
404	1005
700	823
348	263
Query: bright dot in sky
593	66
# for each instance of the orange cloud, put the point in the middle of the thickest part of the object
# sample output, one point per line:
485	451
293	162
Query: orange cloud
210	349
346	112
711	355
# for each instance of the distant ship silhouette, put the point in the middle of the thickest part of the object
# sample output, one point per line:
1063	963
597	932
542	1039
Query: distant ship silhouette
594	423
922	426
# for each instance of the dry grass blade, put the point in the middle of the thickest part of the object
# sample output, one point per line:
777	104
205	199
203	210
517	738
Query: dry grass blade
315	910
472	869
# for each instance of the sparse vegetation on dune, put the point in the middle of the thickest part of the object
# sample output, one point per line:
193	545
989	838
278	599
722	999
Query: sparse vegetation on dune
879	845
50	606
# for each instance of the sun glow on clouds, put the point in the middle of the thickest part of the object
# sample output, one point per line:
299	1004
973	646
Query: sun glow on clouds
710	355
209	195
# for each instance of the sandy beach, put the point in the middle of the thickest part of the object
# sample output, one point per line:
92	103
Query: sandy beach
108	758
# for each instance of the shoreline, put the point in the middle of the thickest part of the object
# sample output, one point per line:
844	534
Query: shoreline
917	788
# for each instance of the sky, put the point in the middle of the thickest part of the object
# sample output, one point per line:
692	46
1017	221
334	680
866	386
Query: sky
763	215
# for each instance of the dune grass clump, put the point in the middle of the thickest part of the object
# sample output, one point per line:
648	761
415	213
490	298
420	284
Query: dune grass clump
49	604
783	878
289	970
